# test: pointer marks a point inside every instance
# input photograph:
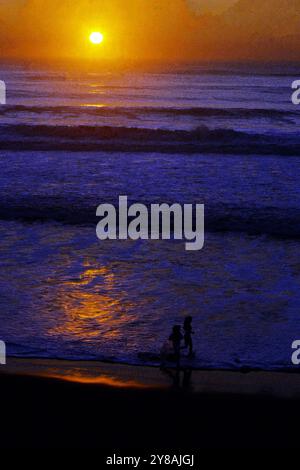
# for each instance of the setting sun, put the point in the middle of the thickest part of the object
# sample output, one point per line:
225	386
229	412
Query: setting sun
96	38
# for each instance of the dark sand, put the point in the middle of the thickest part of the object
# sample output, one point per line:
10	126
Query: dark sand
58	404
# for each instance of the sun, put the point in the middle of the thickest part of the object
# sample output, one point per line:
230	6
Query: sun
96	37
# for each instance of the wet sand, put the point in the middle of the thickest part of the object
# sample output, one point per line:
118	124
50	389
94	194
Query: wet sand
61	404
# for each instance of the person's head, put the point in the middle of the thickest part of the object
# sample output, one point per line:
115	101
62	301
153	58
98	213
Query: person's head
188	320
176	329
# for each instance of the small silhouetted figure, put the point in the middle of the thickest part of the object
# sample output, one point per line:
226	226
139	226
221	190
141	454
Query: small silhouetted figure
188	331
176	338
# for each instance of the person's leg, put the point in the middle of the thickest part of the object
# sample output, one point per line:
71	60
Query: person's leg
177	356
190	347
163	359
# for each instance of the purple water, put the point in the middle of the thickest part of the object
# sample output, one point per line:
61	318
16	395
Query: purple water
224	136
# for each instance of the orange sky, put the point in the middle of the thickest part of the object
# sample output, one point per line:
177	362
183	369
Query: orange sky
141	30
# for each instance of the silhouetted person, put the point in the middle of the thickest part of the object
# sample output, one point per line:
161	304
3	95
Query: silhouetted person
165	353
176	338
188	331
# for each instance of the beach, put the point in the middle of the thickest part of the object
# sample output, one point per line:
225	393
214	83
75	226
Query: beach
149	227
59	404
222	135
84	320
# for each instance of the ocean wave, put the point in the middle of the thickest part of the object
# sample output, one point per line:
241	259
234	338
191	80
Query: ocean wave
237	71
108	111
133	139
148	359
266	221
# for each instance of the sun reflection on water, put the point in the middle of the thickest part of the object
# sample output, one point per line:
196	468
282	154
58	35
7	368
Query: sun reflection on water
91	304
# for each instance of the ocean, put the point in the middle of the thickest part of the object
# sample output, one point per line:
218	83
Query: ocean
223	135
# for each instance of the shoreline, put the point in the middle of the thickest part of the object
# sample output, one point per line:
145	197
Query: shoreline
226	411
278	384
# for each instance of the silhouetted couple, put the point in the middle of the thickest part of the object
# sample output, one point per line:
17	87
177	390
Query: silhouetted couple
177	337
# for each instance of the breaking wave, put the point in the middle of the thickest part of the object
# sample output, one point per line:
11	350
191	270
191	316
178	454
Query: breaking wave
126	139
